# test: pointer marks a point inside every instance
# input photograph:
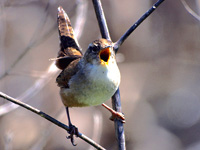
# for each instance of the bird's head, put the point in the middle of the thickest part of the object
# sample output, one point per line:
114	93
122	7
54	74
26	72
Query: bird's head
100	52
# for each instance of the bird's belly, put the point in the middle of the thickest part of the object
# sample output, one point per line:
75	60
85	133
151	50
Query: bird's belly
87	95
94	89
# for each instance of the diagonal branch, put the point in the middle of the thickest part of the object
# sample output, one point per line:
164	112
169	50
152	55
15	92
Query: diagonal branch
115	98
45	77
51	119
135	25
190	11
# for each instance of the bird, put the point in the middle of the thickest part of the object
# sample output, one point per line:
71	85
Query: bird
87	79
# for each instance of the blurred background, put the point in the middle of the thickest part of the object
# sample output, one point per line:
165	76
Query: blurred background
159	64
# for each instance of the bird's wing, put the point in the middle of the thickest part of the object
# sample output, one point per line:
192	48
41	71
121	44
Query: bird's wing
64	77
69	47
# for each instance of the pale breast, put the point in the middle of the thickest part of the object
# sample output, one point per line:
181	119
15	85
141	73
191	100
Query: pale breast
93	86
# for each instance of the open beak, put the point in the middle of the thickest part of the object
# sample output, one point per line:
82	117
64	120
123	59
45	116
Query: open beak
104	55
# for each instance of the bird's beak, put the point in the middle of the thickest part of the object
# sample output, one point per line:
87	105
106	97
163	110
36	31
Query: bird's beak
104	55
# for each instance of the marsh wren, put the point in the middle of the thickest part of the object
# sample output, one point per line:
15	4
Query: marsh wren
85	80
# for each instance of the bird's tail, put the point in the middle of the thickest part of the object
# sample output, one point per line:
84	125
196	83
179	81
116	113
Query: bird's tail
69	47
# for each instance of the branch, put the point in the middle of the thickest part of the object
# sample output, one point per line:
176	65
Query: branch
101	19
115	98
45	77
34	41
116	102
134	26
190	11
51	119
119	128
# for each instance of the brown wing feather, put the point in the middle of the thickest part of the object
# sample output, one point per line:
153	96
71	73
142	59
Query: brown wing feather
69	47
67	73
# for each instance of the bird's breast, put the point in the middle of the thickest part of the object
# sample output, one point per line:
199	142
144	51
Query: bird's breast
92	85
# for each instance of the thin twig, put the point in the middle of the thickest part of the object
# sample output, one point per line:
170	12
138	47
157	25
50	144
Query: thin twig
115	98
52	70
51	119
81	16
116	102
190	11
33	41
134	26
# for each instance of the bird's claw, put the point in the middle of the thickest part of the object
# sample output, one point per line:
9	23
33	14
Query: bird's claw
73	130
118	115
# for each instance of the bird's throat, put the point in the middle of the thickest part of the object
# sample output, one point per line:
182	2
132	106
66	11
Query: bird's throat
104	55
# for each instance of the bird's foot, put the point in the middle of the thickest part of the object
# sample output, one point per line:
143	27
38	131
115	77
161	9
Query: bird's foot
73	130
115	114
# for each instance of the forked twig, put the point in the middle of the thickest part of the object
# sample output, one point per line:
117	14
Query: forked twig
115	98
135	25
116	102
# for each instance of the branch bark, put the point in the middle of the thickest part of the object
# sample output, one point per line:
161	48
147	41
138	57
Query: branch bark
51	119
101	19
115	98
116	102
135	25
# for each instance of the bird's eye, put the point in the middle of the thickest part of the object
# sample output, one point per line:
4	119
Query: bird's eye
95	48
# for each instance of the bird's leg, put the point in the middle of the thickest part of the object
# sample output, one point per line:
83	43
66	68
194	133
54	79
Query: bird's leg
114	113
72	129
